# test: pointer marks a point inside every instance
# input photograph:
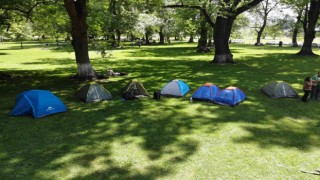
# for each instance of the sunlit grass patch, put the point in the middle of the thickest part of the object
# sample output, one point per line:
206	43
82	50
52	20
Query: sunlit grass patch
170	138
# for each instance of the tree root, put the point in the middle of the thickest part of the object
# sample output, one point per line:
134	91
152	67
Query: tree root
316	172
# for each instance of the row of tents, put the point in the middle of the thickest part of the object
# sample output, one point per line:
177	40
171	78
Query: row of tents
40	103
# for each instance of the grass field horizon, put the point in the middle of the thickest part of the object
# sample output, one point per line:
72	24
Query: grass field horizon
171	138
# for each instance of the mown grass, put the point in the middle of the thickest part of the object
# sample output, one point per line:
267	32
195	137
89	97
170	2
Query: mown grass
171	138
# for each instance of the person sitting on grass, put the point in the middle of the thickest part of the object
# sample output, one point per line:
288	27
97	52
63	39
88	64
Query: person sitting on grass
307	85
110	72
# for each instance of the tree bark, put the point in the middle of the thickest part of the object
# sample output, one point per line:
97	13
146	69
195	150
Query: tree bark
259	34
77	11
118	37
310	32
209	43
147	35
111	29
294	37
147	38
111	38
161	36
222	32
168	39
265	14
202	43
222	26
191	39
296	30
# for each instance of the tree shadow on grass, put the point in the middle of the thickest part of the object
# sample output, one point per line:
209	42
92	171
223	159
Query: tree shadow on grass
167	51
302	138
25	46
77	134
98	140
3	54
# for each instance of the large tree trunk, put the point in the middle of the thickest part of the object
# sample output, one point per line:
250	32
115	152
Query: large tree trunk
296	30
261	29
118	37
294	37
147	34
209	43
77	11
202	43
266	10
161	36
111	29
191	39
223	24
111	37
310	32
259	34
222	31
168	39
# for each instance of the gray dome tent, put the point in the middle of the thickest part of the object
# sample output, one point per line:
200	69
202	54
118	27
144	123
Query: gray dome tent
279	90
92	92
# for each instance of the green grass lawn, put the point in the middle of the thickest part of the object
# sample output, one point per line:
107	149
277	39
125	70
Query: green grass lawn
171	138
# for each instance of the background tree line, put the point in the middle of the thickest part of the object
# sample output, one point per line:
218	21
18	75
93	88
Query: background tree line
214	22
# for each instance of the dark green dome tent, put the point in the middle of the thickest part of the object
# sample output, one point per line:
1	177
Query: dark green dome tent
92	92
135	89
279	90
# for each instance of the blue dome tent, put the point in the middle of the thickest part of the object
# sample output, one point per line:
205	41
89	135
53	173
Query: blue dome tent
206	92
38	103
176	88
230	96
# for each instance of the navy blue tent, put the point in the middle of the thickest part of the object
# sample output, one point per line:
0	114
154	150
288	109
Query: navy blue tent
38	103
230	96
206	92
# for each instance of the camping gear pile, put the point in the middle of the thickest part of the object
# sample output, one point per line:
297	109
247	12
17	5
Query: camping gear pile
40	103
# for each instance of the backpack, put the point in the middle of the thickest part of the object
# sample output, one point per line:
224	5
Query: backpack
156	95
128	96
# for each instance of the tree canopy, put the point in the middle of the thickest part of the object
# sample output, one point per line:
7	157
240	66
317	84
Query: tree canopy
84	20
